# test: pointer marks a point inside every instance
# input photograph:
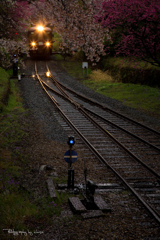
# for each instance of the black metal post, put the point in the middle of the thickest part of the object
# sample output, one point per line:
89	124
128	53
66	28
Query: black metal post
69	178
71	142
15	66
72	177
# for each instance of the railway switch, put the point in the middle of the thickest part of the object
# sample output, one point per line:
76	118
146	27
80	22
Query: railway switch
90	190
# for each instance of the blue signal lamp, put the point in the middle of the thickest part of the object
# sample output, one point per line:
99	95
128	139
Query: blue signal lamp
71	141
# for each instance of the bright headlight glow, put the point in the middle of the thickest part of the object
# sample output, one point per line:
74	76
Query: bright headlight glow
40	28
47	44
33	44
47	74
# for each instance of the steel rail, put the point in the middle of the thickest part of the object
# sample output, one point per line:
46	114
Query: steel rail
77	105
151	210
67	97
121	128
98	116
104	107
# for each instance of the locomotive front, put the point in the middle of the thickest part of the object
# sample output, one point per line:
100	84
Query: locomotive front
40	41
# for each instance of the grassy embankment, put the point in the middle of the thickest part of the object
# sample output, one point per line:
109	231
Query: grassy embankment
141	97
14	204
17	206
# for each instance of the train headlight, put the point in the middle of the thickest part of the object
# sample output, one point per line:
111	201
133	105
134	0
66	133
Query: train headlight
40	28
33	44
48	44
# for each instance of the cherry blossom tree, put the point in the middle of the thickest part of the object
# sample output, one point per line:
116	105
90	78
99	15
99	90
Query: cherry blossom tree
14	16
74	21
136	23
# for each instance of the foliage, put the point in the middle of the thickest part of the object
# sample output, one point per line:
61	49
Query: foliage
12	20
14	100
8	48
14	17
136	25
140	97
131	70
129	27
20	210
4	85
74	21
74	68
100	76
14	205
56	41
14	208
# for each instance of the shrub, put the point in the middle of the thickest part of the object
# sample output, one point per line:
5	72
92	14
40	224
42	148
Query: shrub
132	71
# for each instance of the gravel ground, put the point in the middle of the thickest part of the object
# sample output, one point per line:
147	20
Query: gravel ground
45	144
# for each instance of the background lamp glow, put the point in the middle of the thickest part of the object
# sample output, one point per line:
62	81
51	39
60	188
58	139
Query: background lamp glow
33	44
47	43
47	74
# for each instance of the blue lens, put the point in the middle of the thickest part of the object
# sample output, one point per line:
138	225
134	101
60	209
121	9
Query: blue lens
71	141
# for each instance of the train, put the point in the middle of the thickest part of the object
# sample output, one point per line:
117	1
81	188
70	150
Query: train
40	41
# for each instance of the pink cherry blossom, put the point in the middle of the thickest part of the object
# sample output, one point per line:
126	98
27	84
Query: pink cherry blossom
134	27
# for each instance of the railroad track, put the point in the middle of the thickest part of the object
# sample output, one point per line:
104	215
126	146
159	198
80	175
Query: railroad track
129	149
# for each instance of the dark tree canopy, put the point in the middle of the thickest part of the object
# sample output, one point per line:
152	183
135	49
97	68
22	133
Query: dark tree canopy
137	25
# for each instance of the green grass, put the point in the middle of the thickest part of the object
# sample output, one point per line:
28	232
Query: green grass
57	40
141	97
3	80
74	68
4	84
127	62
14	206
14	209
129	70
14	101
17	207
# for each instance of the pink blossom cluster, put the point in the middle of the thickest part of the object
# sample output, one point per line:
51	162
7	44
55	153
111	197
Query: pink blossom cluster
8	48
131	26
74	21
136	24
14	18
